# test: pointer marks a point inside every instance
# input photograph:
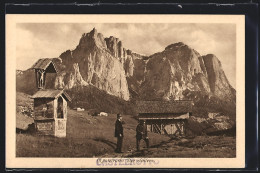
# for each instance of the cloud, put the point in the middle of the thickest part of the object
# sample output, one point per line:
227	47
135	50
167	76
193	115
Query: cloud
38	40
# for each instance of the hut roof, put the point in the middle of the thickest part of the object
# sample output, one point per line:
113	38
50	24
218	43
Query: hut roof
180	106
51	94
45	64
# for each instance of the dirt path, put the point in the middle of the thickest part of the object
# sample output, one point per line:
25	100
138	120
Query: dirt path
199	147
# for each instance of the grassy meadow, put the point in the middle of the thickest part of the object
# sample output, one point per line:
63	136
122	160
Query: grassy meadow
87	136
93	136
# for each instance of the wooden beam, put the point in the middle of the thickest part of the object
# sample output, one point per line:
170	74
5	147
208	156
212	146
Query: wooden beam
178	128
156	128
36	78
185	127
44	80
165	131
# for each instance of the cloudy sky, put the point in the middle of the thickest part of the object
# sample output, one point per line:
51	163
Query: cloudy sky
49	40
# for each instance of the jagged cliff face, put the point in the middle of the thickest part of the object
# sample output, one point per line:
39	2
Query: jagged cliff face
95	61
219	85
173	73
180	69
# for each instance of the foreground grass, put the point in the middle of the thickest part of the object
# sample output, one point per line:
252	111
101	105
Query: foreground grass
87	136
198	147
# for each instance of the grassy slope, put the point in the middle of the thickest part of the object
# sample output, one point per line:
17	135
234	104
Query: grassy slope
87	136
22	121
90	97
23	99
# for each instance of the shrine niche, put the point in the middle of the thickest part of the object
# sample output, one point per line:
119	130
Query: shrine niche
42	67
50	105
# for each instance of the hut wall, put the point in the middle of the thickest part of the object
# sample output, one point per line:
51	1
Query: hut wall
60	127
45	127
55	106
149	127
39	108
61	123
167	126
174	127
65	109
60	107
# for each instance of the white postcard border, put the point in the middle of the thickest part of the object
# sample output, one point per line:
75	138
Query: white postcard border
14	162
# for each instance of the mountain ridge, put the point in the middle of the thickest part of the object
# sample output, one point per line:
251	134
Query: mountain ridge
178	72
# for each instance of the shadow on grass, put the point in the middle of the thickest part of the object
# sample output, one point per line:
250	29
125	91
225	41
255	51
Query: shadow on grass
145	151
161	143
140	153
109	143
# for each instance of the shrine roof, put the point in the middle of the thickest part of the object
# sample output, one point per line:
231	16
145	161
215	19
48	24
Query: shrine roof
51	94
45	64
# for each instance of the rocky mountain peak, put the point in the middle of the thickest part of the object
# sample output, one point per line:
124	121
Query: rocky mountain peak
180	68
216	76
212	62
176	45
212	59
92	39
112	39
115	46
93	32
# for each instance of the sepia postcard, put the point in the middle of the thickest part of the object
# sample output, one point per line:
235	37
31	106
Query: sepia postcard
125	91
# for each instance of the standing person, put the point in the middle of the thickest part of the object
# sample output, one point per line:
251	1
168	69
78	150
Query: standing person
141	133
119	133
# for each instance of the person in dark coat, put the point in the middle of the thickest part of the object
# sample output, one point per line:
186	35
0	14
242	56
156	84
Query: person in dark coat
119	133
141	133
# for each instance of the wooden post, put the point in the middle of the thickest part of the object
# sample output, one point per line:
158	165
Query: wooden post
178	128
185	126
44	80
36	78
161	130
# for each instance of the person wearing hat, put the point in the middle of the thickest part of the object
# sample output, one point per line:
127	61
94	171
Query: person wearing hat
141	133
119	133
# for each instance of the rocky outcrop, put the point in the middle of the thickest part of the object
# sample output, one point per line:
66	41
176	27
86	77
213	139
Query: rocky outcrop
115	46
210	124
217	79
171	72
178	69
134	66
94	62
91	40
129	66
75	79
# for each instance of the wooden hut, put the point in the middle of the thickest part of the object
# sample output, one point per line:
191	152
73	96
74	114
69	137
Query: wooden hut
50	105
165	117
